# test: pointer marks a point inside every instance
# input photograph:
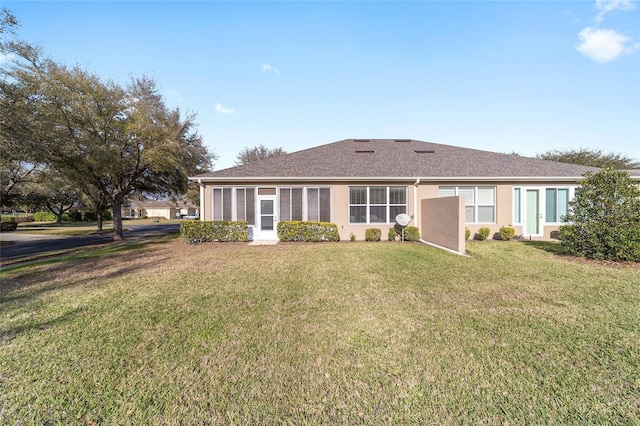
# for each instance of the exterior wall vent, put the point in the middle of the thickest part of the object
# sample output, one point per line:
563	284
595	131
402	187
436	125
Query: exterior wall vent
424	151
364	151
402	140
361	140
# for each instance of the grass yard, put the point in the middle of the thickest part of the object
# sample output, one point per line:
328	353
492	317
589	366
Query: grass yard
364	333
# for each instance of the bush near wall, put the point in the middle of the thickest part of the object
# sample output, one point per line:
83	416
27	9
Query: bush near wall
302	231
506	233
44	217
196	231
411	233
372	234
483	233
392	234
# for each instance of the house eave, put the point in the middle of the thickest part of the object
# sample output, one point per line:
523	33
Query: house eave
226	179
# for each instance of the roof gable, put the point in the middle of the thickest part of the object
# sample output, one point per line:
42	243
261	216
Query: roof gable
397	158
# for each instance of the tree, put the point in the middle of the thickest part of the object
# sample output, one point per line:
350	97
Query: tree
17	166
604	218
99	134
591	157
261	152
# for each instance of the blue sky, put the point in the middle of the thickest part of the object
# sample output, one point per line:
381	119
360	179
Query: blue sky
504	76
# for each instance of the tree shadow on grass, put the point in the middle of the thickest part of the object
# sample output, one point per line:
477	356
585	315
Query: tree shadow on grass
552	247
87	269
11	333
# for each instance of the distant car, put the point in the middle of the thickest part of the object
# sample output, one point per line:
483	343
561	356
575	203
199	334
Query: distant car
190	216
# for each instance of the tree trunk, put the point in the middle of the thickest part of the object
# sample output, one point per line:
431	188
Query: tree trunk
99	216
116	210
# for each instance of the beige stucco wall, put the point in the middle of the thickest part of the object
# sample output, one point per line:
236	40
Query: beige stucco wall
424	190
442	222
166	213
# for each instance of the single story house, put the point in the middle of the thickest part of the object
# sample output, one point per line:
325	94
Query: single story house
154	208
365	183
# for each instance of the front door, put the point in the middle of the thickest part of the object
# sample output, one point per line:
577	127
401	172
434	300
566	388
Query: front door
532	214
267	219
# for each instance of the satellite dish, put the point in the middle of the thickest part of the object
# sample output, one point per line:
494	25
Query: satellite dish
403	219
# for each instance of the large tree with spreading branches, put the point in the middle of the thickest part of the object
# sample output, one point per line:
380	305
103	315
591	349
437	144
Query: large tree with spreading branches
591	157
110	139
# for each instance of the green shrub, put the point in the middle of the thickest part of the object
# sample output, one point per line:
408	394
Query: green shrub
506	233
72	216
411	233
392	234
106	215
604	218
467	233
372	234
44	217
8	226
352	237
302	231
483	233
196	231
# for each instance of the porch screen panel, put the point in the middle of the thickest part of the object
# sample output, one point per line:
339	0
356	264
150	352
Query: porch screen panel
285	204
226	204
217	204
250	201
325	204
296	204
241	212
312	204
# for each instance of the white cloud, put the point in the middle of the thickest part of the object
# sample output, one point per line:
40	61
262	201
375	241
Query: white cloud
604	45
606	6
222	110
268	68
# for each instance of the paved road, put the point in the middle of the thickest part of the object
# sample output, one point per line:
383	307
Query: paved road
28	245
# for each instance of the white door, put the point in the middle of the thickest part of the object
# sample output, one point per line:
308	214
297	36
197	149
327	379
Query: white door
533	213
267	219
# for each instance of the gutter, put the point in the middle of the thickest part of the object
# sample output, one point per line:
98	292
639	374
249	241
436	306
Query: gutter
416	210
201	210
214	179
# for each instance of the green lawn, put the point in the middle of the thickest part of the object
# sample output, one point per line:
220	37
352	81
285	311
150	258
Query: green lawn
344	333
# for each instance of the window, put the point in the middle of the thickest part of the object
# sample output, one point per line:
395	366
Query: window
376	204
557	204
517	205
226	208
317	203
479	201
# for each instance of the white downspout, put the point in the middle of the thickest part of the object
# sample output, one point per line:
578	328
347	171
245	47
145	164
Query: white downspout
201	209
416	217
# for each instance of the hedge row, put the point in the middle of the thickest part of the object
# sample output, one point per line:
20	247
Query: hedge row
44	217
297	231
196	231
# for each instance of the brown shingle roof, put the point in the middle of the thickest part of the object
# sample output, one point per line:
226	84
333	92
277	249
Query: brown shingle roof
398	158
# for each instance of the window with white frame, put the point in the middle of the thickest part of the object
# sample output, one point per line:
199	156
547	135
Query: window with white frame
233	204
479	201
376	204
556	204
517	205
